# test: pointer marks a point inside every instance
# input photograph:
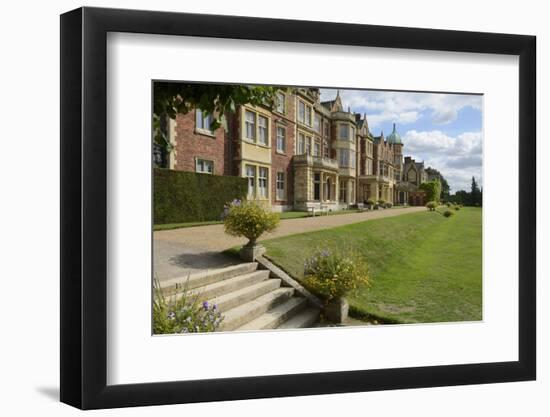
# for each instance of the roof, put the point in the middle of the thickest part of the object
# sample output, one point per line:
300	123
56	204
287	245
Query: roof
394	137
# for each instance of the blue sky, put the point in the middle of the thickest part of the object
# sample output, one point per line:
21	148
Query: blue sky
443	130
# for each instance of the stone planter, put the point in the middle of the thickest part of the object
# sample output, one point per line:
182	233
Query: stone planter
337	310
251	251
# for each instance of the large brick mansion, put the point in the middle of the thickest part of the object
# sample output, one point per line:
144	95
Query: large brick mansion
303	152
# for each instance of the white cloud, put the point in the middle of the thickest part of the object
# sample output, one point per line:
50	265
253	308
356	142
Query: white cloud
457	158
404	107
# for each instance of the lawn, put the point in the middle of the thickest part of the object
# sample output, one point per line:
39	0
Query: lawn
424	267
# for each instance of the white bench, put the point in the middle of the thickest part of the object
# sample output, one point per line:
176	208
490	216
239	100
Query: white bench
317	208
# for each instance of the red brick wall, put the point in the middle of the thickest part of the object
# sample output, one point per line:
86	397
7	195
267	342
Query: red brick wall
191	145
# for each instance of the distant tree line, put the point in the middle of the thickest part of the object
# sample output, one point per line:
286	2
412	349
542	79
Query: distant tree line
472	198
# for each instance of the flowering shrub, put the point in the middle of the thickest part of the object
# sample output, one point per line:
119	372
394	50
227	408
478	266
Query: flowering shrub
185	315
249	219
431	205
332	275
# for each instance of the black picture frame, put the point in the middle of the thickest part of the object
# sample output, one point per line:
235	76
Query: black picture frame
84	207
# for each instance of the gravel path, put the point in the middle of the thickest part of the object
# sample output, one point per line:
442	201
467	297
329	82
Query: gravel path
179	252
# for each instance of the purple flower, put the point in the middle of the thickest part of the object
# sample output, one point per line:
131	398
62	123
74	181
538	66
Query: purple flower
205	305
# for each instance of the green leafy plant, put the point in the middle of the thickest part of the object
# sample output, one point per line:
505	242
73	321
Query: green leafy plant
448	213
249	219
432	189
431	205
388	205
333	274
457	208
185	314
180	196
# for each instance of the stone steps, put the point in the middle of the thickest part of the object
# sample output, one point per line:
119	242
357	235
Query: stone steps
225	286
200	279
247	297
276	316
305	318
234	299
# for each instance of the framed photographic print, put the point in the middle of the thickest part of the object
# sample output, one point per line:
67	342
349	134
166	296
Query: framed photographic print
257	208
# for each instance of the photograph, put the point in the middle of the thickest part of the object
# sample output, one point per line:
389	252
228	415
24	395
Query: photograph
291	207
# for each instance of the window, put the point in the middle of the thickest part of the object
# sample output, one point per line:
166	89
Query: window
343	132
317	186
352	138
251	176
250	121
262	130
301	149
353	159
204	166
280	186
344	157
308	115
317	123
326	128
281	103
304	113
343	191
308	145
301	112
281	139
326	150
262	182
317	148
203	121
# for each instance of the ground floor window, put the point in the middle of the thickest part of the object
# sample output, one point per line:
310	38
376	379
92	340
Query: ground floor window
343	191
204	166
280	186
262	182
251	177
317	186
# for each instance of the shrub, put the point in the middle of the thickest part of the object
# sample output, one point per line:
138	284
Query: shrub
185	315
457	208
388	205
181	197
249	219
431	205
331	274
449	204
381	202
448	213
432	189
371	202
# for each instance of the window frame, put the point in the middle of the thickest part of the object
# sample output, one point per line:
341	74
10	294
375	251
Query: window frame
197	160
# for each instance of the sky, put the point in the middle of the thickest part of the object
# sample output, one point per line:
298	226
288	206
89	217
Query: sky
443	130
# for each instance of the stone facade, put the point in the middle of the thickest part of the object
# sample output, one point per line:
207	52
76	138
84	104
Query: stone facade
302	153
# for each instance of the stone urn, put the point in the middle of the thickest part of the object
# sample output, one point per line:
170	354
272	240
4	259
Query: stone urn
337	310
251	251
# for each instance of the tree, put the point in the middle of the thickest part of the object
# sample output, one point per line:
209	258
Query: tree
475	194
432	189
445	189
216	100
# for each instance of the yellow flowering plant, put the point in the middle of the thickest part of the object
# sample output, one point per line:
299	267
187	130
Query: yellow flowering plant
332	274
249	219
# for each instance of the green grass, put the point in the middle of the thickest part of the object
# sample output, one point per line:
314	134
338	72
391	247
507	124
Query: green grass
424	267
284	216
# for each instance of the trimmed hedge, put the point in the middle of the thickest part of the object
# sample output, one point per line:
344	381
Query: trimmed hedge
181	197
